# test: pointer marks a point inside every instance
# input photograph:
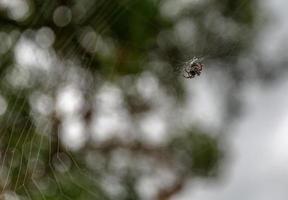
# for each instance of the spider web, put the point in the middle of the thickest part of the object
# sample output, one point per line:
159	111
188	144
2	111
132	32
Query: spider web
36	163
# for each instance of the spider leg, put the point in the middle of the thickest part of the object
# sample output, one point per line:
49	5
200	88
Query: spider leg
189	76
186	70
192	68
199	66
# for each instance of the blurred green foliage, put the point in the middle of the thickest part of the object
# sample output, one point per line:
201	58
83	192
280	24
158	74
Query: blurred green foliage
141	38
197	153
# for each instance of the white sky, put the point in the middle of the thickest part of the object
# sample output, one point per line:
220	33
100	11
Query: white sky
259	139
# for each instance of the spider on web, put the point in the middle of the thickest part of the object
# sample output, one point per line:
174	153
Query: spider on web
192	68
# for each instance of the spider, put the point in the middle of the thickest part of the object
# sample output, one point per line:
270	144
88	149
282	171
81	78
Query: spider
193	67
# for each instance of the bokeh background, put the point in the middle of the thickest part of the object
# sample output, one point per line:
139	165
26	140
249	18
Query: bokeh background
93	104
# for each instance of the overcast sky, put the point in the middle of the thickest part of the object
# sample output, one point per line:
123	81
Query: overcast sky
259	139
